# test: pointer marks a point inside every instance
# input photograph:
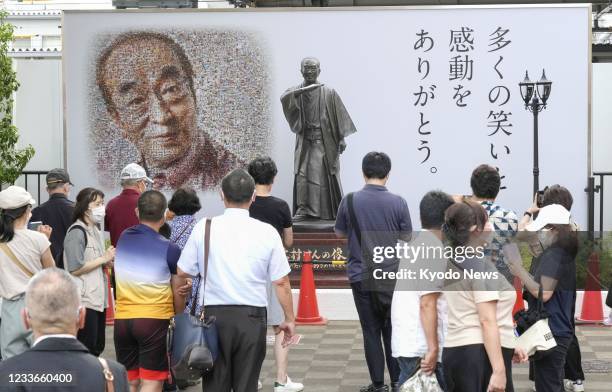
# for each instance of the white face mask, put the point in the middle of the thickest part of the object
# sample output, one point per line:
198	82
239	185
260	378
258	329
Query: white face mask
97	214
546	238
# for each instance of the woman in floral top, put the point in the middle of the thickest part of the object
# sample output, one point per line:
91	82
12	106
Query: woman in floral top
184	204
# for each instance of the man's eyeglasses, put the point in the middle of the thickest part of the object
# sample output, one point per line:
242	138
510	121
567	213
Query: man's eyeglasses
137	101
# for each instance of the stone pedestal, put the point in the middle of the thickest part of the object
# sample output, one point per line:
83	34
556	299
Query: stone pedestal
329	254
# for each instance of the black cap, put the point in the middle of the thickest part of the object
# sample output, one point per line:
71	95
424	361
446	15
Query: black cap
58	176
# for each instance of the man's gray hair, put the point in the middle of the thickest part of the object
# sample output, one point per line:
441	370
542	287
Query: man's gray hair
130	182
52	300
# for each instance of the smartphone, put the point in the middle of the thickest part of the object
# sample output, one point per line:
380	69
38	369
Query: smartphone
34	225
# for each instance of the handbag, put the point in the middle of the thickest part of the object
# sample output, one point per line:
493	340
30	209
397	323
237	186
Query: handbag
537	339
421	382
193	341
535	336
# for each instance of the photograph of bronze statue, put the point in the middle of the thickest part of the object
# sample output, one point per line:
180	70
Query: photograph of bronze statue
320	121
148	86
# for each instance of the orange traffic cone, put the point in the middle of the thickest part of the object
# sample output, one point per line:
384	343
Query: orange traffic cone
110	311
592	305
308	308
519	304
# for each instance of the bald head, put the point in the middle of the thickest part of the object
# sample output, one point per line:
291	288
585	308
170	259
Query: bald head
52	303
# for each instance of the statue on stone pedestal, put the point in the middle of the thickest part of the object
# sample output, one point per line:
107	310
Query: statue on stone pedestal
320	121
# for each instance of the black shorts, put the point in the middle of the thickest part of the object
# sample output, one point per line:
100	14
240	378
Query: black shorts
140	345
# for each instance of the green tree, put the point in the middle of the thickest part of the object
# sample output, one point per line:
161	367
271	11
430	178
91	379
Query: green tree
12	161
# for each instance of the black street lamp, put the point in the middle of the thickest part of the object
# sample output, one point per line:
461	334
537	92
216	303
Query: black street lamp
535	95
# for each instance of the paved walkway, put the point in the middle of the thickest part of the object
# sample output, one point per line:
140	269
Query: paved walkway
330	359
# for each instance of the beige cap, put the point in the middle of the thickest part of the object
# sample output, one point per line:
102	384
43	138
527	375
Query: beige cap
14	197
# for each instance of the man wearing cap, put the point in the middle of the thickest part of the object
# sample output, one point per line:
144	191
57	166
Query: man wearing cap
23	252
121	210
56	212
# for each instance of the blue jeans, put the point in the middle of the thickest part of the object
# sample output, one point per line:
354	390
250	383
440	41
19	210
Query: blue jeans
408	366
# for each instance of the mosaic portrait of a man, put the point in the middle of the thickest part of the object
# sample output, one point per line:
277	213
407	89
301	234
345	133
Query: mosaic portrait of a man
188	107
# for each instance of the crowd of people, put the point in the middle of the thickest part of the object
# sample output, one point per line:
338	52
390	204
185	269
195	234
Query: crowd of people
56	270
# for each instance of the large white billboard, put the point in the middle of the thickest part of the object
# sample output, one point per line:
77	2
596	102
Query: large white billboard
434	87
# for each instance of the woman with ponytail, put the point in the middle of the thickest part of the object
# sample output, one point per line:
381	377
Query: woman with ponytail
85	258
23	252
479	346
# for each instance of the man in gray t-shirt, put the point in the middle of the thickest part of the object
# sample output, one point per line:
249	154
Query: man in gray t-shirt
385	214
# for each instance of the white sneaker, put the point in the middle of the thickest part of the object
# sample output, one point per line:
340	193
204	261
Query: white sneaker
289	386
573	386
259	385
608	321
533	388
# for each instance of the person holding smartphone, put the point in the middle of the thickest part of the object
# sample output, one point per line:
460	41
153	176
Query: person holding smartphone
274	211
23	253
555	194
554	270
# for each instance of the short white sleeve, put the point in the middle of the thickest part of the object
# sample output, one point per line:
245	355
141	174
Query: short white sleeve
41	241
192	252
279	266
485	296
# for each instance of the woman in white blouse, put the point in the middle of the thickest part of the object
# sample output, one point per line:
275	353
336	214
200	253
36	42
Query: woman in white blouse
23	252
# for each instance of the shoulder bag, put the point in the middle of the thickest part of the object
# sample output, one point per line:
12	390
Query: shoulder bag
5	248
81	229
381	290
193	341
108	375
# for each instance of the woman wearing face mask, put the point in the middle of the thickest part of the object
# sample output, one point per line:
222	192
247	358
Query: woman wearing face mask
554	270
479	345
23	253
85	258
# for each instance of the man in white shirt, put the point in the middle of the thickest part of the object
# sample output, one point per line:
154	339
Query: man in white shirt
244	255
418	312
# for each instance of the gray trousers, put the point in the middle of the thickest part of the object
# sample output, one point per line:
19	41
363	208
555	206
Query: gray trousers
242	346
14	338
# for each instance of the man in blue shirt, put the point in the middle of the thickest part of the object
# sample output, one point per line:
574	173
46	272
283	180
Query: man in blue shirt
376	210
149	293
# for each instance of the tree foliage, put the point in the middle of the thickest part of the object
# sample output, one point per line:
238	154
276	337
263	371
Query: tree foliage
12	161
